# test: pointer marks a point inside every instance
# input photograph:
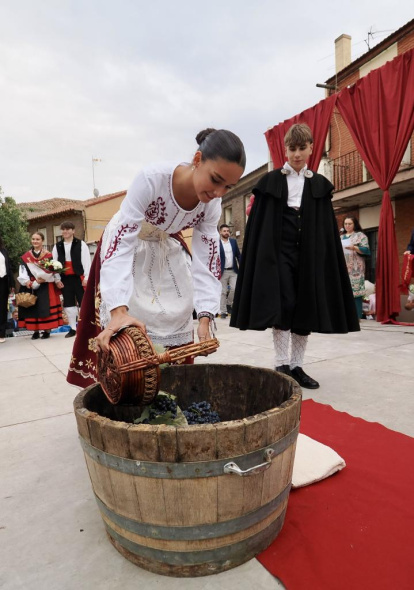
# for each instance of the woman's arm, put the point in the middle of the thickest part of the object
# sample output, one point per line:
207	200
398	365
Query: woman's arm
118	244
25	280
206	269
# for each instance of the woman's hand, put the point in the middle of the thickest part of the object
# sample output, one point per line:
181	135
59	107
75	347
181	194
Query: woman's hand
59	285
203	330
119	319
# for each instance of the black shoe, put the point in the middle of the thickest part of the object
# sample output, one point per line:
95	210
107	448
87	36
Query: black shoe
71	333
45	335
285	369
35	336
223	316
303	379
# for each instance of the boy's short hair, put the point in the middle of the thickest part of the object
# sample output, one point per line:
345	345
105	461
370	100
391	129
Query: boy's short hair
67	225
298	134
224	225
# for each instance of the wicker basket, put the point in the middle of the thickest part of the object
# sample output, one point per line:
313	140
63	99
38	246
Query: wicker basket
25	299
129	372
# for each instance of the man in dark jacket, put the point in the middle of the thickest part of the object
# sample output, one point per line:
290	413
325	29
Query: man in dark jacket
293	276
230	260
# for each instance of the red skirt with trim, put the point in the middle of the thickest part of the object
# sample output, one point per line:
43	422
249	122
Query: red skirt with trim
53	320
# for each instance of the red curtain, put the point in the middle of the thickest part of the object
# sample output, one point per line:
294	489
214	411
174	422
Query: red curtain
378	111
317	117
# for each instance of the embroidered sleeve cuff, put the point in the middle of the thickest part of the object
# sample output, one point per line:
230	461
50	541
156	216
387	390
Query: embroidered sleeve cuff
205	314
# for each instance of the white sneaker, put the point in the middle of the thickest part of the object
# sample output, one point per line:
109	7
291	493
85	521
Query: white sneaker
2	340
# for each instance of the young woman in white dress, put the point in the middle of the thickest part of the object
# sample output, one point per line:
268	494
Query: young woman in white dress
146	276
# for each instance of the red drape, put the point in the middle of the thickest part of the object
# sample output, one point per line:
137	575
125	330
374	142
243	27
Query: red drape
378	111
317	117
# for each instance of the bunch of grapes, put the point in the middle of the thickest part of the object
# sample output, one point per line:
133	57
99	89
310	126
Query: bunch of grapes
201	413
160	406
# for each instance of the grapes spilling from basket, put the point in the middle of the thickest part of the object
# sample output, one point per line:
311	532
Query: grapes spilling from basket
164	410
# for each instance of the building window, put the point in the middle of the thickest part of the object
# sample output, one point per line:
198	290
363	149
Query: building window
228	215
43	231
57	234
246	203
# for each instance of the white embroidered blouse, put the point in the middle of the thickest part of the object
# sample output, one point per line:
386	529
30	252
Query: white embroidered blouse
150	198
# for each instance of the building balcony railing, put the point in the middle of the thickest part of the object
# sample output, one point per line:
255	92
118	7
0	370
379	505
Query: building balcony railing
349	170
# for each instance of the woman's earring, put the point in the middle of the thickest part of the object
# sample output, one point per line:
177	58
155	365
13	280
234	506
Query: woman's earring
193	168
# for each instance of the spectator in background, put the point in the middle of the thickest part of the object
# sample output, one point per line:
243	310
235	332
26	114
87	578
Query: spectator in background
409	304
6	286
356	249
74	256
46	314
13	323
410	247
229	259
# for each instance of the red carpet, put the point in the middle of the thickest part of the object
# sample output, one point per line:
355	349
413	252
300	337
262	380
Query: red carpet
354	530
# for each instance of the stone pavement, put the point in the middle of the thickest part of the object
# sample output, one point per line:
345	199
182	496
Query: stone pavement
51	533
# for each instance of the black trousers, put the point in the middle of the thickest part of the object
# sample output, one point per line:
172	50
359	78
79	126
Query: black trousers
289	267
72	290
4	297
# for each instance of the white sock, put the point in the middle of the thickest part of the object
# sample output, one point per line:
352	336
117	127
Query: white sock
297	354
71	313
281	345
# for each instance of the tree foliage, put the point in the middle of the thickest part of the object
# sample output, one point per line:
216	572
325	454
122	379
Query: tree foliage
13	230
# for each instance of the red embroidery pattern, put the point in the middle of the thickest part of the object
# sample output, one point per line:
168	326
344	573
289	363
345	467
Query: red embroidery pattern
213	256
155	212
195	221
124	229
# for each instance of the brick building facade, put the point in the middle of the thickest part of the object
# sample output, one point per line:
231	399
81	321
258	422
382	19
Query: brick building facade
356	192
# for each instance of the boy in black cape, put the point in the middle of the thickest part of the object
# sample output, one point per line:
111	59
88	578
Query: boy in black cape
292	276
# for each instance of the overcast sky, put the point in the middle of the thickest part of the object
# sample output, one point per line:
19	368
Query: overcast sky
131	81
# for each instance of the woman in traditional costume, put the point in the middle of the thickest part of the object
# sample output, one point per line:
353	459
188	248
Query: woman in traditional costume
142	274
34	277
355	250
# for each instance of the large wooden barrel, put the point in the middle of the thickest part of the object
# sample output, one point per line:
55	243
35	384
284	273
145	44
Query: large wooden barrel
196	500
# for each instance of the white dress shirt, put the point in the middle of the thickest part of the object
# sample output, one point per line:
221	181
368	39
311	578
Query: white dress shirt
228	252
295	182
85	256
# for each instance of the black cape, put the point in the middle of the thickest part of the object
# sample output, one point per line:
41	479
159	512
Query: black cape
325	301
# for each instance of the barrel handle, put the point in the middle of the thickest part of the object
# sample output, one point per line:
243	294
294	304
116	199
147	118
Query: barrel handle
234	468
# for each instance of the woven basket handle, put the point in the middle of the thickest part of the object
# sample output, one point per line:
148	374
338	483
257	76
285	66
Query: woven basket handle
172	356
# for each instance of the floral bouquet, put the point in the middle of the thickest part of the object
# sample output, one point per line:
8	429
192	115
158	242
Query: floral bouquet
411	289
50	265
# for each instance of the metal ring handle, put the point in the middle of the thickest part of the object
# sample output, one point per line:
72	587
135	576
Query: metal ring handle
234	468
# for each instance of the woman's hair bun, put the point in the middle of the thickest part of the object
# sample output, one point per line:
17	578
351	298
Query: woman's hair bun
200	137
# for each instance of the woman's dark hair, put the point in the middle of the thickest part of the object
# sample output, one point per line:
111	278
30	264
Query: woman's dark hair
38	233
214	144
357	226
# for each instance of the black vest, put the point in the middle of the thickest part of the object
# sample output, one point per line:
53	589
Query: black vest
75	254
